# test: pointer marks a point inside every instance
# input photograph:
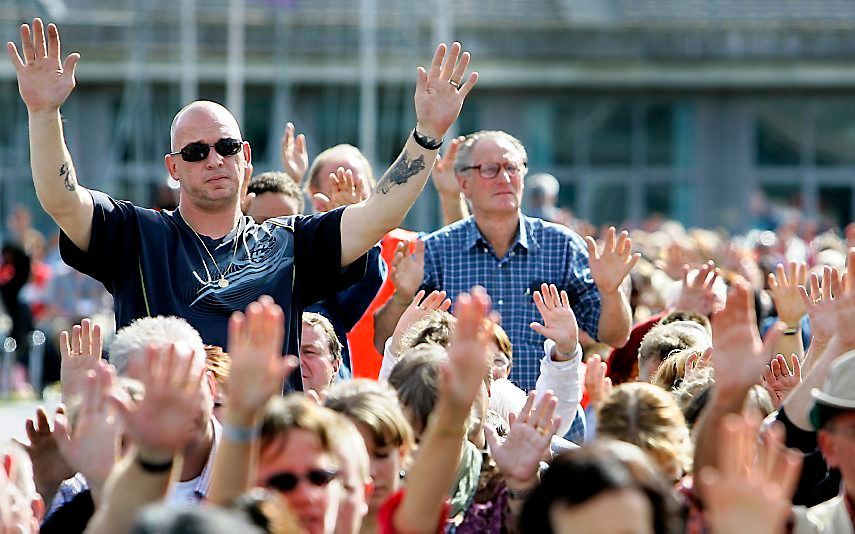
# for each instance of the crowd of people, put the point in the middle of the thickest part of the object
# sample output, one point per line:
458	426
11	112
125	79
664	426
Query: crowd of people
277	371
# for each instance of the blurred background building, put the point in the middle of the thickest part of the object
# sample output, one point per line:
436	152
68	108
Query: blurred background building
710	112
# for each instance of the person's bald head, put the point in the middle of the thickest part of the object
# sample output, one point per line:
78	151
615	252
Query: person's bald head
216	181
205	111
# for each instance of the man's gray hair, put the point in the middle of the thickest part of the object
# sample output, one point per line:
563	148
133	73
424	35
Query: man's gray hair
135	338
464	153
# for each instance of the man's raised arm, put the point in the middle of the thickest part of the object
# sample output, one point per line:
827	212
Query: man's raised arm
440	92
44	84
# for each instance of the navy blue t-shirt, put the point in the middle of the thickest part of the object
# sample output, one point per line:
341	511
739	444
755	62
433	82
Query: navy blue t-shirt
348	306
154	264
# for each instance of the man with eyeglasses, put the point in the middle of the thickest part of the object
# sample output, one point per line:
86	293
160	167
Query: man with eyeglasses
205	260
512	255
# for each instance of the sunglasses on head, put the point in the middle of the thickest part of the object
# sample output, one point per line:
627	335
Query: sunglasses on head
199	151
286	481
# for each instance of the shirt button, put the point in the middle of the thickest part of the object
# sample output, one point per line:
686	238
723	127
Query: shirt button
501	301
512	253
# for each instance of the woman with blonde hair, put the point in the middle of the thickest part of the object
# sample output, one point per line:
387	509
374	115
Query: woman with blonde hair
374	408
648	416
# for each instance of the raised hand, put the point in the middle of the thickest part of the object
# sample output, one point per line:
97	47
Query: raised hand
293	154
258	369
43	81
92	446
80	353
527	443
610	266
784	288
597	384
344	192
440	91
49	467
739	356
779	380
695	362
844	305
408	268
16	513
163	422
443	171
462	376
697	295
821	306
559	322
675	261
747	493
418	309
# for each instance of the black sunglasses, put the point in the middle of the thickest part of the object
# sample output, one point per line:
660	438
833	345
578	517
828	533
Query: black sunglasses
286	481
199	151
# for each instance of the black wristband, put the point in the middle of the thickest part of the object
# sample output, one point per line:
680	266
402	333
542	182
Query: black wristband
426	142
149	467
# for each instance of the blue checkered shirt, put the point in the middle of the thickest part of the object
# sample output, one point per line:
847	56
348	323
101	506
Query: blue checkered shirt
458	256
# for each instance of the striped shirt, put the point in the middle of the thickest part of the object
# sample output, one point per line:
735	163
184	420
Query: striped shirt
458	256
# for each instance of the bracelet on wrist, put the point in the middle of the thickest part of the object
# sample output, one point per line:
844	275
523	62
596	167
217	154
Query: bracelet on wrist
428	143
154	467
240	434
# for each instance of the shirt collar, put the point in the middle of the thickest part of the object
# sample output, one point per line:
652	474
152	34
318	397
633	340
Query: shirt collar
204	483
525	237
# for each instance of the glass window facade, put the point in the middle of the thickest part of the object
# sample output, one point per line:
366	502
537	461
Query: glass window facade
804	155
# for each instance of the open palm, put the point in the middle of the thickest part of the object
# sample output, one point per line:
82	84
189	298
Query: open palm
80	352
44	82
527	442
258	369
438	102
559	321
408	268
293	154
443	171
821	305
91	447
779	379
611	265
739	355
463	375
164	420
784	287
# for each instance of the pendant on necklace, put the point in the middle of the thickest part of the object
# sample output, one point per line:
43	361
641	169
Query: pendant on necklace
223	283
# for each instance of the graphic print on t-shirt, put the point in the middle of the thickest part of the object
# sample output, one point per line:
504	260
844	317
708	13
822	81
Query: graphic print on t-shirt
262	256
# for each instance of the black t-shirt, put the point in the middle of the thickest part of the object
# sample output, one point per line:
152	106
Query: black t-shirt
153	263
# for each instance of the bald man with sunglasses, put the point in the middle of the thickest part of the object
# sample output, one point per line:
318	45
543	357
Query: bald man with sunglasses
205	260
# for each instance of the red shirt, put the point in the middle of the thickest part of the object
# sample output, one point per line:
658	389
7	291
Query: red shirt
387	510
623	362
364	357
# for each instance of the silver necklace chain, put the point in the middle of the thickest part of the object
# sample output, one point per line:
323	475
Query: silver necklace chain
222	282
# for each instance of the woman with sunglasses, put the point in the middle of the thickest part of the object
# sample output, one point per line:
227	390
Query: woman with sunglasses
297	459
284	444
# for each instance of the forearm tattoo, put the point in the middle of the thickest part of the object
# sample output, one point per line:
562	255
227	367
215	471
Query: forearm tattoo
402	170
67	175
